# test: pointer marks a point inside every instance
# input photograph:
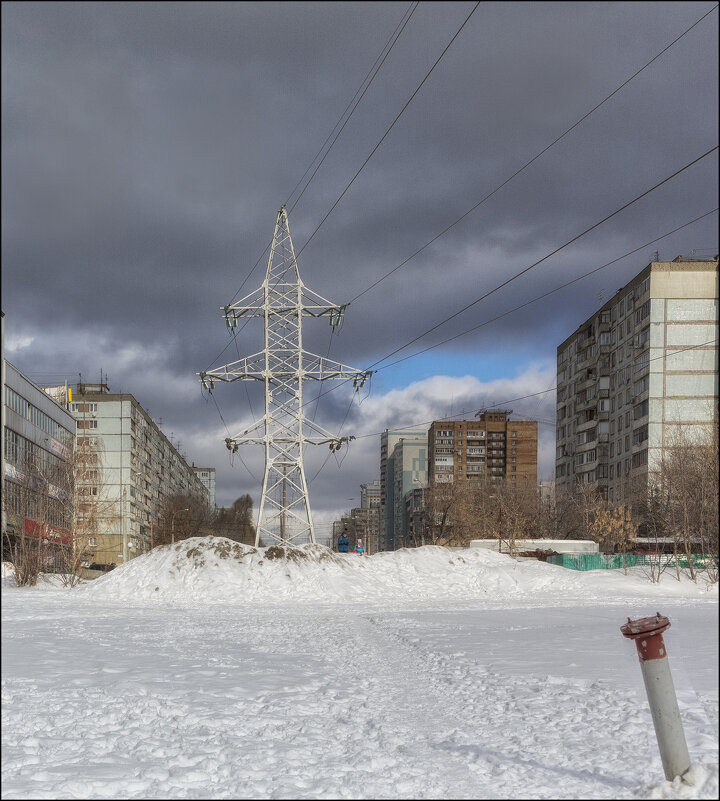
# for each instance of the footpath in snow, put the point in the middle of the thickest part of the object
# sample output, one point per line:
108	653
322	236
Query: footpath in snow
215	670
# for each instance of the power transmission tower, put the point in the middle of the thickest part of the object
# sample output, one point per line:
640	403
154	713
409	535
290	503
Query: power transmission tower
282	301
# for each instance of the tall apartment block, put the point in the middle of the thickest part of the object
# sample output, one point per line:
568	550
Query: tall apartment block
491	445
38	438
370	494
409	467
639	370
139	470
388	440
207	477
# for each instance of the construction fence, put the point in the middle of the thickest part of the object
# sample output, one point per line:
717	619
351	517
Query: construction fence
615	561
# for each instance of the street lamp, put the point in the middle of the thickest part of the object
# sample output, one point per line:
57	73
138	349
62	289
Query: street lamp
172	523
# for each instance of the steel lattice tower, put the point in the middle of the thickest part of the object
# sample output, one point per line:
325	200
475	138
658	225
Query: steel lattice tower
282	301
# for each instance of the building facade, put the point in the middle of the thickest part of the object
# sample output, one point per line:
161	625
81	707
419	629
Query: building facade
639	372
490	446
370	494
409	462
137	472
207	477
38	480
388	440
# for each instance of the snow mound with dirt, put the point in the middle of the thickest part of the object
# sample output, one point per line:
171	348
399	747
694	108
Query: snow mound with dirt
218	570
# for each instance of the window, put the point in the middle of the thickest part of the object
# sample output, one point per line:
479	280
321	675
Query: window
81	424
642	312
640	459
641	386
641	410
642	361
640	435
642	288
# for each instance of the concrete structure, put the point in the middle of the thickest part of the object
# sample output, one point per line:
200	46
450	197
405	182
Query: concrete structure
138	472
388	440
491	445
370	494
637	373
415	517
207	477
409	464
38	439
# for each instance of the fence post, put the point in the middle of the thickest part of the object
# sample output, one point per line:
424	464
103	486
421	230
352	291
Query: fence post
647	633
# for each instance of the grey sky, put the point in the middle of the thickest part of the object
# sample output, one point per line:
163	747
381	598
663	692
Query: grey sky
147	146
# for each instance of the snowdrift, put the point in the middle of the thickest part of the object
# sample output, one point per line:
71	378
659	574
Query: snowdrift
218	570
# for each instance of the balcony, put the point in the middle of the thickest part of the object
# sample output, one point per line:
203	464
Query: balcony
585	383
585	425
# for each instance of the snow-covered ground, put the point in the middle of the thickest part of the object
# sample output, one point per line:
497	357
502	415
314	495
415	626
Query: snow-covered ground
212	670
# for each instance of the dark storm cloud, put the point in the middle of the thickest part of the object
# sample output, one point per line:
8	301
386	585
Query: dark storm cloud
147	147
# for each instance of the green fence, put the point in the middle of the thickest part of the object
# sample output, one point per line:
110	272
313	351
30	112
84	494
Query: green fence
613	561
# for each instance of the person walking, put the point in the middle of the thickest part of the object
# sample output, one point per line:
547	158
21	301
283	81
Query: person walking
359	547
343	542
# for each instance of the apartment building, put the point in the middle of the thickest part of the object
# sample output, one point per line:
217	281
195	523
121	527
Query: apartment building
409	467
492	445
137	471
370	494
38	437
207	477
388	440
640	370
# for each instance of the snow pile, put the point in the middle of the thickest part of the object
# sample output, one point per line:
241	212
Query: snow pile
215	569
701	781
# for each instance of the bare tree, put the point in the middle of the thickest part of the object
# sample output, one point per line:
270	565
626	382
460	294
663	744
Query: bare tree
684	493
38	500
613	528
181	517
236	523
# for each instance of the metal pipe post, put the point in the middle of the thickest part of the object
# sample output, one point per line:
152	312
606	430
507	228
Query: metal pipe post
647	633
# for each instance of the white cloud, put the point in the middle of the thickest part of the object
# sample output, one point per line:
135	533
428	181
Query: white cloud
17	342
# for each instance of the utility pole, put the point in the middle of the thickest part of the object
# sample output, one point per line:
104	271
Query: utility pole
282	301
124	526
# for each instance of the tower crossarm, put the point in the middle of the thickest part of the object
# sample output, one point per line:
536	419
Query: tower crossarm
281	300
250	368
313	368
319	368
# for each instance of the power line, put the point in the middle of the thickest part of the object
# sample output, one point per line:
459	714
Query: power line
530	395
534	158
684	225
392	125
386	50
550	292
552	253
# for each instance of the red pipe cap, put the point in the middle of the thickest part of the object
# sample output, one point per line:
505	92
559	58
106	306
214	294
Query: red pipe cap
645	626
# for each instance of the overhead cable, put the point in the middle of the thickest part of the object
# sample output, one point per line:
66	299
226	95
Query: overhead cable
534	158
552	253
392	125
